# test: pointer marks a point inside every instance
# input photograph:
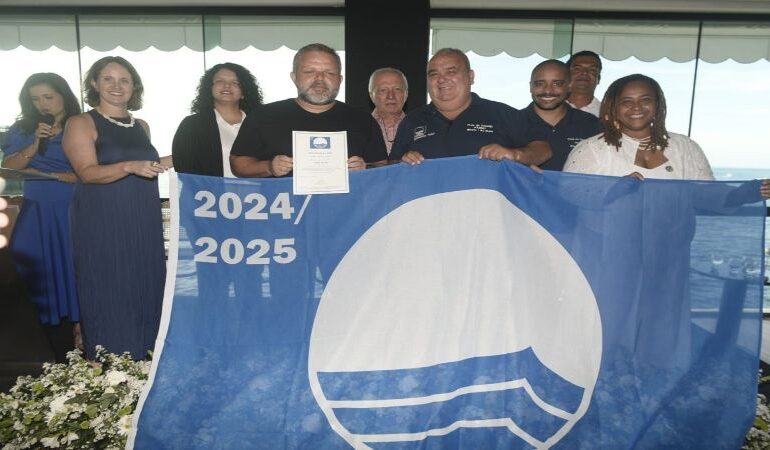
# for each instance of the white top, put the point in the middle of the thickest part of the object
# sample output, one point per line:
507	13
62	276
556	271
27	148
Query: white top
686	160
592	107
227	134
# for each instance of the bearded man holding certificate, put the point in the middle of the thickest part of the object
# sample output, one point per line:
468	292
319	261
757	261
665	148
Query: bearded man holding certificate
264	146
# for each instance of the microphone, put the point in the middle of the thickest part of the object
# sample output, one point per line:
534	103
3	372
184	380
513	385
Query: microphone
42	146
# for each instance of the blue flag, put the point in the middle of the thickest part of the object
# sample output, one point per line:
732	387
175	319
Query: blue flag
460	303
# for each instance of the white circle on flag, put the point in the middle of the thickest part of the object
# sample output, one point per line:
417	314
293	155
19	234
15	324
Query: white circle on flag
453	276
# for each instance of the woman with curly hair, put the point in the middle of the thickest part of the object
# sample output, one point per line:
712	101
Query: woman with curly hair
635	140
226	94
41	241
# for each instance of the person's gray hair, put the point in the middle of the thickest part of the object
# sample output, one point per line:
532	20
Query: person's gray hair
387	70
316	47
447	51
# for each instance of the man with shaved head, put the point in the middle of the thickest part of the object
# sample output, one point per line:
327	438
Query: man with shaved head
564	125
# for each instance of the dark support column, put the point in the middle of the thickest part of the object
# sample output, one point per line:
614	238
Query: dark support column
381	33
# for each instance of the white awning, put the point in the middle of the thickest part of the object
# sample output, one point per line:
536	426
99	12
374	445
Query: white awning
270	33
615	40
741	42
168	33
136	33
647	41
490	37
38	32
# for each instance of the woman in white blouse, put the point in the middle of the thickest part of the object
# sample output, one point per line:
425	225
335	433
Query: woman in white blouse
635	141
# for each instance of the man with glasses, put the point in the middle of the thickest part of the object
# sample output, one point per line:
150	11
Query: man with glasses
586	70
263	147
564	125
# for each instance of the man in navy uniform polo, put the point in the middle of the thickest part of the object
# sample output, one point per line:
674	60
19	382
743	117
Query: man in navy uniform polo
564	125
458	122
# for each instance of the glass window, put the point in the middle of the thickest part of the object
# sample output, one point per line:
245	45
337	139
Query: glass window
266	46
664	51
31	44
503	52
731	98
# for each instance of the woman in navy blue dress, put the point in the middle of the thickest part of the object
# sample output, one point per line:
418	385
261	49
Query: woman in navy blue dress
41	239
117	230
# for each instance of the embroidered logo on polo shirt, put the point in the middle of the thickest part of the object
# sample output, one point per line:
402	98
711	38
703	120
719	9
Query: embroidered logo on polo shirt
421	132
573	141
479	128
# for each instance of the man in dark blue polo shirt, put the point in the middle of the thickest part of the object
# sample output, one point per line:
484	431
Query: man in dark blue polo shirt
549	111
458	122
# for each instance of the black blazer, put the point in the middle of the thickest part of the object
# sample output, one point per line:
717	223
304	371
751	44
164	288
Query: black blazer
196	147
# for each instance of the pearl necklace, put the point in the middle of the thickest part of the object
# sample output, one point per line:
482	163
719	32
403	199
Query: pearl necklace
130	123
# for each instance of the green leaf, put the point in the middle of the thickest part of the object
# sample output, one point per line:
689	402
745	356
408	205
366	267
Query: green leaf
86	424
7	422
81	398
92	410
128	409
107	400
759	423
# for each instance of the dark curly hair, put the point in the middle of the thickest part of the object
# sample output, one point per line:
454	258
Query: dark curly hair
30	116
608	112
92	95
252	94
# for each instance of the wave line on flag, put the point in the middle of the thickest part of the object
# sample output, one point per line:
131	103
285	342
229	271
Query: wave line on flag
485	423
503	386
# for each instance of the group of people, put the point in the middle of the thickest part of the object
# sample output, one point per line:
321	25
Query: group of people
89	242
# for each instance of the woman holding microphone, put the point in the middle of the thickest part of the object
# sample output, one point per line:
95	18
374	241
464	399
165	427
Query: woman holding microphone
41	239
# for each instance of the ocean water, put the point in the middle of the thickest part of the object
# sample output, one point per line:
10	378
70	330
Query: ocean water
742	173
733	173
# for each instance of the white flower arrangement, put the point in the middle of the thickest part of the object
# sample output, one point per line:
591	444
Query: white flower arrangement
74	405
87	405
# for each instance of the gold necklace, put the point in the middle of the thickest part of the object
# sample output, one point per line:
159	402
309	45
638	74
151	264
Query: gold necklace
644	143
130	123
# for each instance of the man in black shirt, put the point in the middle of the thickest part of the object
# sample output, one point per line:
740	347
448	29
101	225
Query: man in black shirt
550	113
263	147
